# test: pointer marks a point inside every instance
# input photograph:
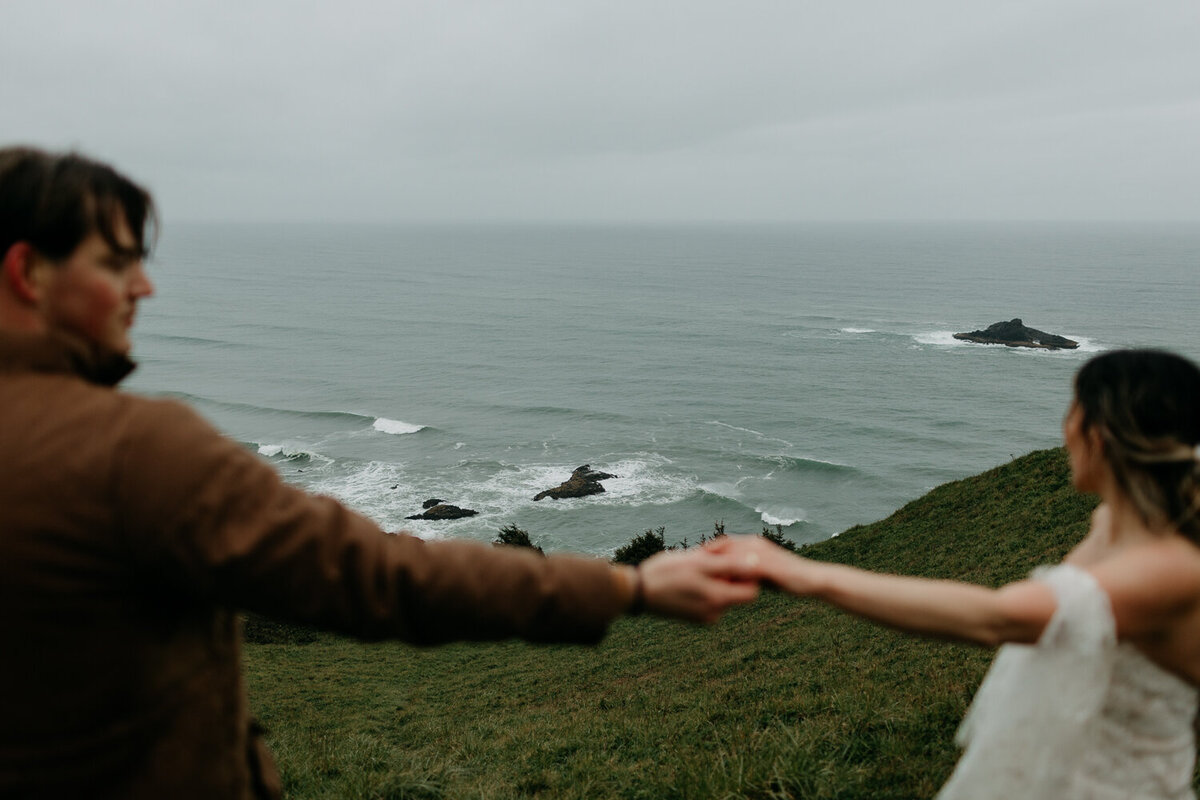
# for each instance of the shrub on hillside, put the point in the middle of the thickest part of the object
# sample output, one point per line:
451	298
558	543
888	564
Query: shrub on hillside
776	536
642	547
512	536
655	541
718	532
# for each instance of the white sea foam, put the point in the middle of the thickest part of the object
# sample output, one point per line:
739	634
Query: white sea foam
942	338
730	491
389	492
645	480
857	330
395	426
639	480
785	517
292	450
378	489
1087	345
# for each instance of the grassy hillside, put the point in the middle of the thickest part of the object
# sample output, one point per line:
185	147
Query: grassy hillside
784	698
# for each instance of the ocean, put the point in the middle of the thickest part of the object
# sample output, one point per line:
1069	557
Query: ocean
796	375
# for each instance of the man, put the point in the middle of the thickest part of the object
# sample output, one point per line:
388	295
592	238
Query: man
131	531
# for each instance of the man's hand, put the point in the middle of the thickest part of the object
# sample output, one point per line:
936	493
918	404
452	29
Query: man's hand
696	585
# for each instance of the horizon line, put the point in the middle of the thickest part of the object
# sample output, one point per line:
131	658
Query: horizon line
675	222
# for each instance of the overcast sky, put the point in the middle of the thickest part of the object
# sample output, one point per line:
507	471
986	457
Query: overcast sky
611	110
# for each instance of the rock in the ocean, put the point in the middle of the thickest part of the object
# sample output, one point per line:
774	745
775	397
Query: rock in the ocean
440	510
1014	334
583	481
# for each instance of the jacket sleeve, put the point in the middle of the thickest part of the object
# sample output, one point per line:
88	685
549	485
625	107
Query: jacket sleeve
208	518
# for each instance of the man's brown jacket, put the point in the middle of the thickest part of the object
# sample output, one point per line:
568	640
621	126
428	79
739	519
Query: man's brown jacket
131	532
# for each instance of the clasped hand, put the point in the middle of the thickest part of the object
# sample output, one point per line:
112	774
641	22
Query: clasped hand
700	584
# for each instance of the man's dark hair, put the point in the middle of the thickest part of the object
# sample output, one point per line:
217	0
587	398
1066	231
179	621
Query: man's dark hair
55	201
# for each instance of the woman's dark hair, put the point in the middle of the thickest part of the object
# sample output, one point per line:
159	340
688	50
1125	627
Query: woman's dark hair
1146	405
55	201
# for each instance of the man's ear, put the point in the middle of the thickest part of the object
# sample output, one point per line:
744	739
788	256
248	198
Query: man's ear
1096	440
19	271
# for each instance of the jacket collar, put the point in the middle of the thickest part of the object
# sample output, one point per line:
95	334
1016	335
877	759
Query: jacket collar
59	352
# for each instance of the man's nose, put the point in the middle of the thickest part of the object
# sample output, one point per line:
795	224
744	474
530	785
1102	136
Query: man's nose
140	284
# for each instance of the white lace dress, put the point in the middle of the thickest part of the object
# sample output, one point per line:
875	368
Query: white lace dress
1078	715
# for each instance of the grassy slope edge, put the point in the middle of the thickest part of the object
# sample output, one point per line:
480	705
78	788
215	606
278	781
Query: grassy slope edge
784	698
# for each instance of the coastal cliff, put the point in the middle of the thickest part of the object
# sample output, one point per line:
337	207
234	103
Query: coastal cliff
783	698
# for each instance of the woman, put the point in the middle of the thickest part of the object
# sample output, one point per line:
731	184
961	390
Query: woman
1094	693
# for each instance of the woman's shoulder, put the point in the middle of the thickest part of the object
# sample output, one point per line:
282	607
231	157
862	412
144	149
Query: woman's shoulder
1152	585
1161	556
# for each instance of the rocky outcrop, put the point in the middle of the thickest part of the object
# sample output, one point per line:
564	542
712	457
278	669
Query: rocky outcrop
439	509
1014	334
583	482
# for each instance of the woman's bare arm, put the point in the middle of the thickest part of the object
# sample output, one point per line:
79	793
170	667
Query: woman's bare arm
1017	612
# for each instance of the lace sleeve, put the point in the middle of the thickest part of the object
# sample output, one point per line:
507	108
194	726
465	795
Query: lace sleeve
1027	726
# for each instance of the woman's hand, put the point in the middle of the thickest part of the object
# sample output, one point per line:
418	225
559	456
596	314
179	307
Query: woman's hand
696	585
786	570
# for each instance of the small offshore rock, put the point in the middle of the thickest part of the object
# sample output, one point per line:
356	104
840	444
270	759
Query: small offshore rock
1014	334
442	510
431	502
583	482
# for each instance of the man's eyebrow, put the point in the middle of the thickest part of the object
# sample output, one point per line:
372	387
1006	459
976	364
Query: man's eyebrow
120	258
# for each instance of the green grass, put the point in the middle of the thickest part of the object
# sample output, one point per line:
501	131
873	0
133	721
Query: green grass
781	699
